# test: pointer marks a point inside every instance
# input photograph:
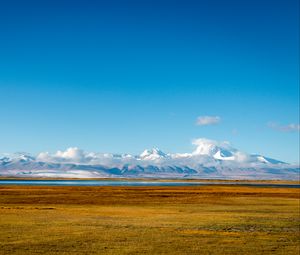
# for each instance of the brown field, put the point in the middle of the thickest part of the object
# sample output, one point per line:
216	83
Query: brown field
149	220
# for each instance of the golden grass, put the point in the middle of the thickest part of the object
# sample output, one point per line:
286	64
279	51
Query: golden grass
149	220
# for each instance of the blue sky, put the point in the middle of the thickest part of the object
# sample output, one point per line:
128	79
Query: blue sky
127	75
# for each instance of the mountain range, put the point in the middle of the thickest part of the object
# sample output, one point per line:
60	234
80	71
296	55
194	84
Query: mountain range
210	160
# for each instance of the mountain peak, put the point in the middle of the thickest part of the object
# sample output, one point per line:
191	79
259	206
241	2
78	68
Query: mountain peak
153	154
217	150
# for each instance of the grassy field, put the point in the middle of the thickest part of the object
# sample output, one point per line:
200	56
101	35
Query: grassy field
149	220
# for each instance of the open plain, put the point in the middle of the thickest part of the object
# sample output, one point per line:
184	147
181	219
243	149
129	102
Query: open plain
224	219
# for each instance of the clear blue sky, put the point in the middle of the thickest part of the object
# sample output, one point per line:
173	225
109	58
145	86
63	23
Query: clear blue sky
121	76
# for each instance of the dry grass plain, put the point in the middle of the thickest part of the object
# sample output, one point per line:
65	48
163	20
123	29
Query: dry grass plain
149	220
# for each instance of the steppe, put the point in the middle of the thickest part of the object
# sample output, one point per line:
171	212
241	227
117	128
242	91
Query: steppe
218	219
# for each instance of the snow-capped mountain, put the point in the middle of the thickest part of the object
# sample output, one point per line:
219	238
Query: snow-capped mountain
210	159
153	154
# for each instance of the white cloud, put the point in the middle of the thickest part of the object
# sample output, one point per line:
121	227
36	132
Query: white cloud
242	157
208	120
285	128
71	155
44	157
204	146
210	147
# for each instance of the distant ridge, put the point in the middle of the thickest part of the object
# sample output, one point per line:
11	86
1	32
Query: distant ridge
210	159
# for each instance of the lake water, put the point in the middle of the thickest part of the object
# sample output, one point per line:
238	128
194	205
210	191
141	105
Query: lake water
134	183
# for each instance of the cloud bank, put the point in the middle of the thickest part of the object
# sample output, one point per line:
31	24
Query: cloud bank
208	152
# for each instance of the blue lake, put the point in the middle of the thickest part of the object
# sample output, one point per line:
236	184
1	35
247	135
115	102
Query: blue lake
134	183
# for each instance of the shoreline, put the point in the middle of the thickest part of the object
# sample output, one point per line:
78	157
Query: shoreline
212	181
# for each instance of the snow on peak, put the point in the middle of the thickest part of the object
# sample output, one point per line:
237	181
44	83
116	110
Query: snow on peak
19	156
26	157
217	150
153	154
223	155
267	160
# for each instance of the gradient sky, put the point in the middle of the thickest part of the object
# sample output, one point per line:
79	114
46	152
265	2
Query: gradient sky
122	76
